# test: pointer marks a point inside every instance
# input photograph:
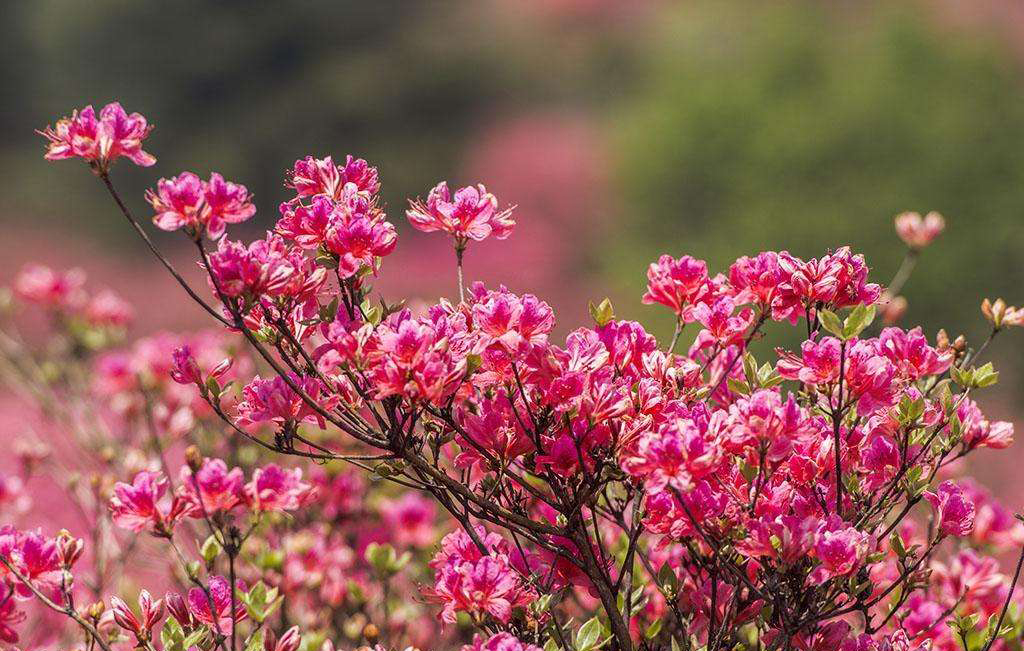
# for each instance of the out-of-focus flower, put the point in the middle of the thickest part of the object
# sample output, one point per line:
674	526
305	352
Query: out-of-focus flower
1001	315
42	285
410	520
107	309
917	231
101	139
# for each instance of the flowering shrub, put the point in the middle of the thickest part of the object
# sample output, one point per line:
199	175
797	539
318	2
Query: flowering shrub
602	492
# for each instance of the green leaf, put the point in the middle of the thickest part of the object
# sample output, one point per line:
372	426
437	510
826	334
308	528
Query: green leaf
587	636
603	312
830	322
210	550
655	628
858	319
172	635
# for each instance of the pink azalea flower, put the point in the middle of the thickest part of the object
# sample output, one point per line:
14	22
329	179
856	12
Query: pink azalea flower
472	214
321	176
219	618
140	505
10	617
488	586
273	488
918	232
44	286
99	140
107	309
186	201
273	400
910	352
840	552
499	642
410	520
954	511
677	284
213	488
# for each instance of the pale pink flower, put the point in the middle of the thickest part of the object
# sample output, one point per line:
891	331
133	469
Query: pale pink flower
917	231
42	285
107	309
99	140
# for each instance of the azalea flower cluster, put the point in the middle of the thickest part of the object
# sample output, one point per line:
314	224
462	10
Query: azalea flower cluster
608	490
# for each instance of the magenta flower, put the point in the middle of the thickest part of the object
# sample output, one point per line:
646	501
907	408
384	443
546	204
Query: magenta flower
265	269
311	177
415	358
219	618
488	586
99	140
35	557
499	642
186	201
840	552
273	488
917	231
272	400
140	505
678	285
410	520
472	214
910	353
817	364
10	617
954	511
213	488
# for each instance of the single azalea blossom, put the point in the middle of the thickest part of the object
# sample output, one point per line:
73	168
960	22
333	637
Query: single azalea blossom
273	488
49	288
220	617
141	504
471	214
917	231
99	139
954	511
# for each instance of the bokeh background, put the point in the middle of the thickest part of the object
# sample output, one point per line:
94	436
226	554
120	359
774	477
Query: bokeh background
622	129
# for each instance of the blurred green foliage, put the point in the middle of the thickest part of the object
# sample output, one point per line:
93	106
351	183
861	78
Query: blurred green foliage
809	125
